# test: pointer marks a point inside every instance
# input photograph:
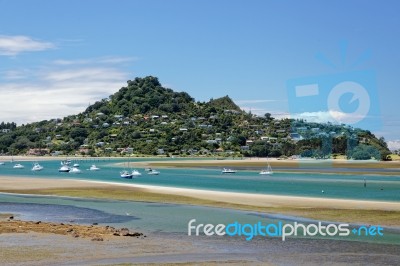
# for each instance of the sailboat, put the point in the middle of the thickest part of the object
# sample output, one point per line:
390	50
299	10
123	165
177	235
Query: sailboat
267	171
126	174
228	171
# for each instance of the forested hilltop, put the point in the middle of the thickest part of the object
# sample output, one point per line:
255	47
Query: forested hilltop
145	118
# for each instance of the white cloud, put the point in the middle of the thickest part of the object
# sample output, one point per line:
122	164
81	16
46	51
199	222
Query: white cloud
91	61
83	74
240	102
393	145
52	93
14	74
319	117
13	45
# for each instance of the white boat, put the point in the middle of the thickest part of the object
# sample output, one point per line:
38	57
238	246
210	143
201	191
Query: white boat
2	163
18	166
76	165
126	174
153	172
228	171
136	173
64	169
267	171
94	168
75	170
37	167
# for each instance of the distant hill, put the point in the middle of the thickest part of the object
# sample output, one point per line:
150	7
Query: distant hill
147	119
225	103
143	96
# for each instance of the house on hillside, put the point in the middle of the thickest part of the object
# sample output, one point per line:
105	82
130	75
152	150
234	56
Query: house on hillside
295	137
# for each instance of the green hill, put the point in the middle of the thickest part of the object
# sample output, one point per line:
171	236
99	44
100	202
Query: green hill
147	119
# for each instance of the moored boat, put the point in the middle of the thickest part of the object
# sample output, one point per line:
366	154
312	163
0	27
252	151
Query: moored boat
75	170
267	171
37	167
94	168
18	166
136	173
228	171
153	172
126	174
64	168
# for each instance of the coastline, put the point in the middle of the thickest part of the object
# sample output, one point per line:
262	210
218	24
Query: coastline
303	166
169	248
345	210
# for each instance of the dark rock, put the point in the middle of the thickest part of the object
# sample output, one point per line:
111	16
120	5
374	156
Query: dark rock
116	234
124	231
95	223
70	230
38	222
75	235
11	217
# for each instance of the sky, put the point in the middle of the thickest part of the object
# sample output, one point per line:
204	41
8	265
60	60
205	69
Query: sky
323	61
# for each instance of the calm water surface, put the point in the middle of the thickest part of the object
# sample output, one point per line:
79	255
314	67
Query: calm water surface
386	188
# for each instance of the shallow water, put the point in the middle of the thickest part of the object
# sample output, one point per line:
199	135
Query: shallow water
386	188
149	217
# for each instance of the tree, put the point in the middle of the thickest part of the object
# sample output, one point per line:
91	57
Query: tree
22	143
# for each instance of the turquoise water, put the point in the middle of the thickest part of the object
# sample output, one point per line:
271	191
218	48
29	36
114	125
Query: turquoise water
386	188
173	218
148	217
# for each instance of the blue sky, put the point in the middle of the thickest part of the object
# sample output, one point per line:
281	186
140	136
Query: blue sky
56	57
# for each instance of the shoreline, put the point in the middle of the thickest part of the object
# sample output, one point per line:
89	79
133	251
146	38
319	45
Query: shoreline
303	166
336	210
173	249
259	200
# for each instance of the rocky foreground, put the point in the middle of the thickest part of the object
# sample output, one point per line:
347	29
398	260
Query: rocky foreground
94	231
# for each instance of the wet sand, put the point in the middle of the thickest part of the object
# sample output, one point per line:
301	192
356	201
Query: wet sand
38	248
93	232
170	249
260	200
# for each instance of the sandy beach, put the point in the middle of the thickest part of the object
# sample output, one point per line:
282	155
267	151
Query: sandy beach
9	183
345	210
172	249
158	249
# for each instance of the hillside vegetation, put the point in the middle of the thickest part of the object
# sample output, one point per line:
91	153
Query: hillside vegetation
145	118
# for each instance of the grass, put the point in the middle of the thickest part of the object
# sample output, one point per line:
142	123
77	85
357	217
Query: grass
385	218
